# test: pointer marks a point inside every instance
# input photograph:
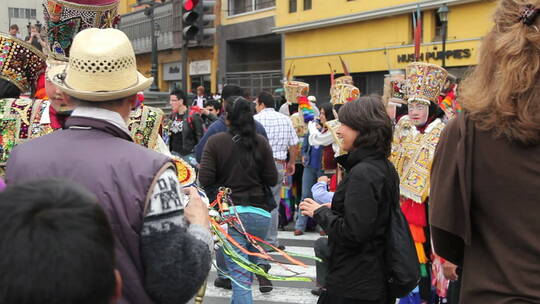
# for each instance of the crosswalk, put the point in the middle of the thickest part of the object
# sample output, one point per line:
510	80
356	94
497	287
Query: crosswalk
284	292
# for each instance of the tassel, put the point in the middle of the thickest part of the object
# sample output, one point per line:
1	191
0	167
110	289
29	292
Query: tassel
423	271
414	212
307	110
422	259
418	234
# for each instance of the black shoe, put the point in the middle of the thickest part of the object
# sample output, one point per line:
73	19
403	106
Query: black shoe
317	292
265	285
281	247
223	283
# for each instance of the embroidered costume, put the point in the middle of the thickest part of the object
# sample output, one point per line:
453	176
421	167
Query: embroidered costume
22	64
413	148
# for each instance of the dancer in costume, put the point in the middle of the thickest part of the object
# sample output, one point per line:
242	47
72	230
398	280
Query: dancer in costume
27	118
415	138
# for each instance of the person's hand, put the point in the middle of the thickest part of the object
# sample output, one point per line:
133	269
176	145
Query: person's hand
196	211
449	271
327	205
204	111
323	179
290	168
308	207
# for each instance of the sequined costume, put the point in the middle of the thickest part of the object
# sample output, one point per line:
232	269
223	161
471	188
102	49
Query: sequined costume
413	149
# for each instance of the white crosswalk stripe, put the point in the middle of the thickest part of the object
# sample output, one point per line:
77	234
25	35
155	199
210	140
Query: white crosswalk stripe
284	292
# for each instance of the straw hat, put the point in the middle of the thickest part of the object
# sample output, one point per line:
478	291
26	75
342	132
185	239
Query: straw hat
101	67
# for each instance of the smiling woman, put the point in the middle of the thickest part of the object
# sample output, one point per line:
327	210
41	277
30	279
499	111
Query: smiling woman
357	221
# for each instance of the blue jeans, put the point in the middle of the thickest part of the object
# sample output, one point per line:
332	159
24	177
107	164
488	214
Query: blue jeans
309	178
276	191
256	225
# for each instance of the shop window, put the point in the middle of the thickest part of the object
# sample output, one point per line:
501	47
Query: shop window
245	6
292	6
307	5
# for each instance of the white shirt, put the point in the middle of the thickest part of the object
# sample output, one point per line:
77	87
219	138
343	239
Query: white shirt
103	114
280	131
200	101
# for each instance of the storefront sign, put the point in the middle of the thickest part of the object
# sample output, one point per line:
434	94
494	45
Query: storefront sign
172	71
456	54
201	67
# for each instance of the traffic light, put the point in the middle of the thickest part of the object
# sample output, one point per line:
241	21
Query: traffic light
206	20
190	19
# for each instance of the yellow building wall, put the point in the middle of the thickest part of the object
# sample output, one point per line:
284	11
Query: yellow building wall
374	45
245	17
126	6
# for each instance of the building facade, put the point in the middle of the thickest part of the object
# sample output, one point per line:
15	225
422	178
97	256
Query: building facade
375	38
250	54
21	13
202	59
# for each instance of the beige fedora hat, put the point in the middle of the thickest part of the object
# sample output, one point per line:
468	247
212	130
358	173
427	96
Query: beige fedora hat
101	67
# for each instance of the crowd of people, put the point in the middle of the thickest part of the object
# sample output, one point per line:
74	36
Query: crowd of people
425	194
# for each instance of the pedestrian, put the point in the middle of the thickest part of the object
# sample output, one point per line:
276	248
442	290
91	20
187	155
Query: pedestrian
162	236
210	112
219	125
185	127
359	216
14	31
317	160
485	180
34	38
216	127
242	160
57	246
200	99
283	139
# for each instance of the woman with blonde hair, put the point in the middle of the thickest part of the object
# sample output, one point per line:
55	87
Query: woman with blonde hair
486	172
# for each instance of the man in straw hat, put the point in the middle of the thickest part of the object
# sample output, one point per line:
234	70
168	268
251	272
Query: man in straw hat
163	241
26	118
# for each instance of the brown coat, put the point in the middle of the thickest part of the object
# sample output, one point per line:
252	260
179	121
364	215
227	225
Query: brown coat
485	213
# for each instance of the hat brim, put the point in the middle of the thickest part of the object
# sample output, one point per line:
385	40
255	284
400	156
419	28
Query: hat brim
54	72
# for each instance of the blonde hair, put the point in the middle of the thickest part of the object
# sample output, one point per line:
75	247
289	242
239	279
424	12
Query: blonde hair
502	94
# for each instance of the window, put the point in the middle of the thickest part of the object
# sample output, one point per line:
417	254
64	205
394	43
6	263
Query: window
438	27
245	6
307	5
292	6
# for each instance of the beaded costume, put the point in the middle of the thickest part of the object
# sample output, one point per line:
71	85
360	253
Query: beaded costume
413	149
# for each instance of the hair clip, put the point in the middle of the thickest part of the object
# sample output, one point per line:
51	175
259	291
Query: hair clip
529	14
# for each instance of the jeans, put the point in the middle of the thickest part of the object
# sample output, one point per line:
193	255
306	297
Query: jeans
309	178
220	261
276	191
256	225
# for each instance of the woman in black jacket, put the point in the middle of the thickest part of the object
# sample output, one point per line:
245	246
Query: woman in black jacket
242	160
357	221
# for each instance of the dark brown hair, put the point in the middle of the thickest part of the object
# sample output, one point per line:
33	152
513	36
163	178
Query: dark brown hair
502	93
367	115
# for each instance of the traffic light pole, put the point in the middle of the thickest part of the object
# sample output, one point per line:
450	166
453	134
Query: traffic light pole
185	68
149	11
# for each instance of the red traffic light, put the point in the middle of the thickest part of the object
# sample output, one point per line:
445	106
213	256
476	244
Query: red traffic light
190	4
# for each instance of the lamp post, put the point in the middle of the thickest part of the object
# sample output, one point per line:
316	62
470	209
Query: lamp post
149	12
443	16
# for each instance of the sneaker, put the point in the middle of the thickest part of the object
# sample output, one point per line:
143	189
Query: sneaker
223	283
298	232
265	285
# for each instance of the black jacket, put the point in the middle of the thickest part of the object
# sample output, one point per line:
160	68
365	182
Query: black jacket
191	133
356	226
